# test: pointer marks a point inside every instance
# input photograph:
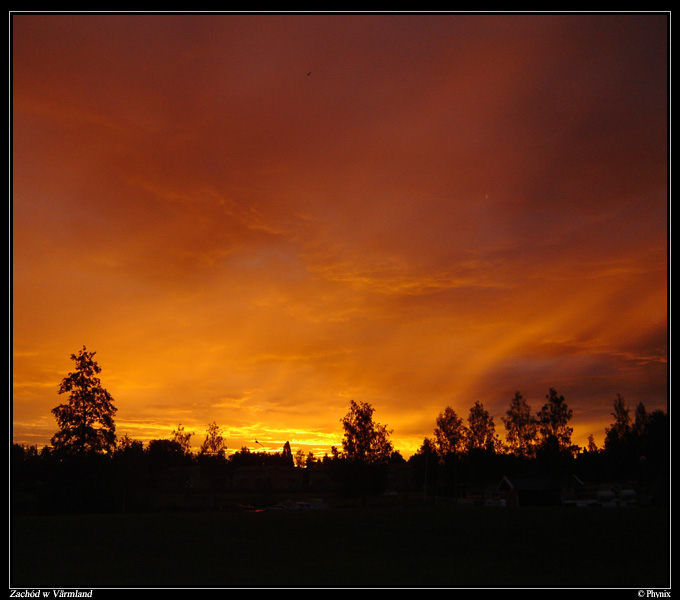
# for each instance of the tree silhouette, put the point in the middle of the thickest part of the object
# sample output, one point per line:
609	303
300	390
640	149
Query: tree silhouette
654	450
164	453
641	419
553	419
87	468
214	444
481	431
87	421
130	470
364	439
521	427
299	458
639	451
182	438
360	469
620	430
424	465
127	444
450	433
287	455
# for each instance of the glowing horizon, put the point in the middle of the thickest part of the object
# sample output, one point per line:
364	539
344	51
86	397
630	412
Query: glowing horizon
448	208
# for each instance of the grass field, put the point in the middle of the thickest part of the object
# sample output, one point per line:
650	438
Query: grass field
450	547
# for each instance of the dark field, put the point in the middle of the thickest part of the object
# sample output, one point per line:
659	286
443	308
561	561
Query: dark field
453	547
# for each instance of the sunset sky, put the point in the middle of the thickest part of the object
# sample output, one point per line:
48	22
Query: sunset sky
254	219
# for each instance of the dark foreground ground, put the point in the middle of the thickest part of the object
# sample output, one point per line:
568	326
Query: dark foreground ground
449	547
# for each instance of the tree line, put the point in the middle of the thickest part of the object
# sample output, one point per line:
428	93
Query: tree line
86	445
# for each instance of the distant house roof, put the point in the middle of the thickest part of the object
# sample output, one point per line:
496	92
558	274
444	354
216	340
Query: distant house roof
536	483
538	491
528	483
